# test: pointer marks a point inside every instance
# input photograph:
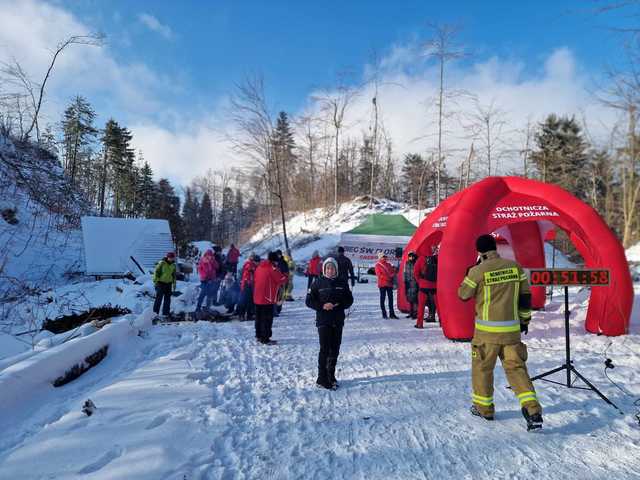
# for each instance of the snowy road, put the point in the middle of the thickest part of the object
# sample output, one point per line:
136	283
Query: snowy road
204	401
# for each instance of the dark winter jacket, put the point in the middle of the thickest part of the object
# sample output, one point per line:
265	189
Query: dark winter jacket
329	290
410	282
222	271
345	269
420	273
283	266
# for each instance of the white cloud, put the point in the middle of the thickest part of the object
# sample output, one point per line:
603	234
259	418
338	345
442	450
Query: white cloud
153	24
185	154
408	90
138	96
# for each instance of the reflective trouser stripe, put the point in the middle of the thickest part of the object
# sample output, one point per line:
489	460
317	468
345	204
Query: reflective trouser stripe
480	400
523	276
524	313
525	397
498	327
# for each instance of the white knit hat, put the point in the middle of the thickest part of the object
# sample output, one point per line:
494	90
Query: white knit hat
328	261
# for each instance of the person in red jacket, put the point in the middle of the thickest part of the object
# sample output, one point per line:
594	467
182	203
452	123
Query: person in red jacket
207	271
246	307
314	269
267	279
233	255
385	273
425	272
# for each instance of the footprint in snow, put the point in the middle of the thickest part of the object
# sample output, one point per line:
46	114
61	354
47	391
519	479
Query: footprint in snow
157	421
103	461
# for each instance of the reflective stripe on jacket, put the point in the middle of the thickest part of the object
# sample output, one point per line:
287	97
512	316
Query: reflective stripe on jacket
497	284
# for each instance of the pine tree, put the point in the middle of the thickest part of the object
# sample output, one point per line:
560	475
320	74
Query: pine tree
205	219
414	179
365	169
561	154
239	215
167	206
226	223
79	135
283	144
190	212
146	191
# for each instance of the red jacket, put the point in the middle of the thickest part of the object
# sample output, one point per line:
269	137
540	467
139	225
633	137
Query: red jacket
267	279
418	273
233	255
385	273
315	266
248	270
207	267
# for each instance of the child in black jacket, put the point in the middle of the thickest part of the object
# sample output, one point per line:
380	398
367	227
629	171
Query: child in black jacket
329	296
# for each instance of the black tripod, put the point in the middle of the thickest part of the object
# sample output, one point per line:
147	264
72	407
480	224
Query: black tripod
568	366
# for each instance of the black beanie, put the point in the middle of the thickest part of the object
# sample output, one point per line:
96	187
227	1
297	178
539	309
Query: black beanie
485	243
273	257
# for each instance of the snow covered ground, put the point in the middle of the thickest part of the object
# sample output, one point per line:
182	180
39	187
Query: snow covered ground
204	401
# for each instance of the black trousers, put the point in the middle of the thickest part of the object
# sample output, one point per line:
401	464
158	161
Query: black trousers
163	296
388	292
431	301
310	280
264	322
330	340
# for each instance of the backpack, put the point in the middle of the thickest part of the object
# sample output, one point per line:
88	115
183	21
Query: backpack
430	272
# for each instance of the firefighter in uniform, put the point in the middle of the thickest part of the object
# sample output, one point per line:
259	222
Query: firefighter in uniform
503	310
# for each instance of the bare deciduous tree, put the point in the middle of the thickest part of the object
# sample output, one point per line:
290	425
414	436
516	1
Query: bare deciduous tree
334	104
444	49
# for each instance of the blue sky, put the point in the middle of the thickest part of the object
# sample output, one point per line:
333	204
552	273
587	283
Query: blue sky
301	45
169	66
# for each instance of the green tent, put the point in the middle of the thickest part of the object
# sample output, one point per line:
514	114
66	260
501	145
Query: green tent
381	224
378	233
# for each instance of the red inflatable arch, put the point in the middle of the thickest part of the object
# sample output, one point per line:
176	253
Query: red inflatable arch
523	214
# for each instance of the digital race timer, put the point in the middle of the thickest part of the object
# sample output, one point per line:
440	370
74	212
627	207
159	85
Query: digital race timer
560	276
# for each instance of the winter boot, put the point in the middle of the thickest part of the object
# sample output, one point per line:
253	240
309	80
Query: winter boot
534	422
474	411
393	315
431	319
384	313
331	371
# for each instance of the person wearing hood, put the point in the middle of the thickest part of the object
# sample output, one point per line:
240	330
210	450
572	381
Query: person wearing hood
207	271
314	269
267	281
329	296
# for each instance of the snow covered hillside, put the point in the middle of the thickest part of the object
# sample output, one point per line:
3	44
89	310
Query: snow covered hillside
204	401
40	239
320	229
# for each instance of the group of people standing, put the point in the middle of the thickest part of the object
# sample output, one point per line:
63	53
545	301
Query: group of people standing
419	277
499	286
215	271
